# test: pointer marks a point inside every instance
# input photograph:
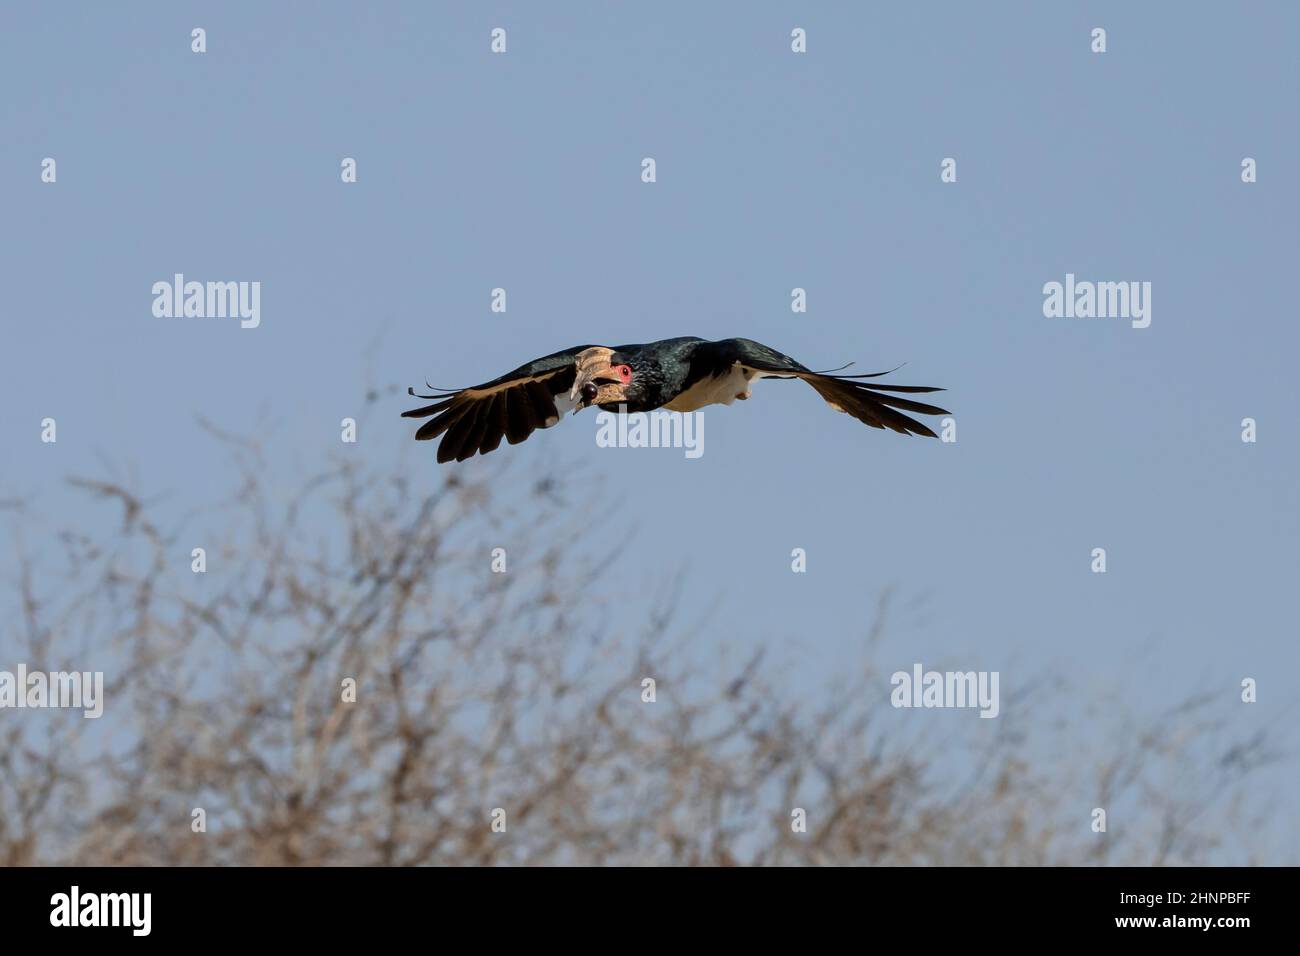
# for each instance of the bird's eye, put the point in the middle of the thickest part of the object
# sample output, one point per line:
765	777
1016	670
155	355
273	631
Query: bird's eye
625	373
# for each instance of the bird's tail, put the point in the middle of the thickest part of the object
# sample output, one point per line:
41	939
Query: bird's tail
872	404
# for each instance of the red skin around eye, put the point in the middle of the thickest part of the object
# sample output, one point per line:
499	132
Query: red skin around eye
625	373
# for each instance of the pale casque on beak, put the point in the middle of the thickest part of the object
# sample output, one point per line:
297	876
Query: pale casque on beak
594	383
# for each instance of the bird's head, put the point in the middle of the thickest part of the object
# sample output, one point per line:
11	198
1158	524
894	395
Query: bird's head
611	387
607	380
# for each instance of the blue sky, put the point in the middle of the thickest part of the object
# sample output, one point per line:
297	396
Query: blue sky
775	171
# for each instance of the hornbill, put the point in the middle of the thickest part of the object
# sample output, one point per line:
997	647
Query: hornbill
681	375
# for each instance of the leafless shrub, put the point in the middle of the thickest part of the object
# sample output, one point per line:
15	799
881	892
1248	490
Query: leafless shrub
479	690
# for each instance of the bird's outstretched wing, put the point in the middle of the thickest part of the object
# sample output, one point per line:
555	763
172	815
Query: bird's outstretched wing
868	402
512	406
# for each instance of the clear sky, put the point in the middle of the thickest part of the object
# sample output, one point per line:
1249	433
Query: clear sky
775	170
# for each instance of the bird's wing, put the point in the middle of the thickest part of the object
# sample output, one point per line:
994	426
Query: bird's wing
512	406
868	402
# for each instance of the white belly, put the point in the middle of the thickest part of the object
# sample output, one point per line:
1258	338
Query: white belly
722	390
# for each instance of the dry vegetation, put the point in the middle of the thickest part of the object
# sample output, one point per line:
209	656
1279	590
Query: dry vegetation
481	690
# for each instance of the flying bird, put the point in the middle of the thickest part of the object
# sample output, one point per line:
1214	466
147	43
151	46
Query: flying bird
681	375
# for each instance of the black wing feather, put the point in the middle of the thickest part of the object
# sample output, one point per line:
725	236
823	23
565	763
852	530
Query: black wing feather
474	420
862	400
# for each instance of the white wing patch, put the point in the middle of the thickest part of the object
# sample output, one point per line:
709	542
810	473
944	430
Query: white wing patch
563	405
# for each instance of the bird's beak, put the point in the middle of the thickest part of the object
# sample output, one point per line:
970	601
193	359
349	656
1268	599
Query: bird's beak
586	394
597	391
593	366
584	388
